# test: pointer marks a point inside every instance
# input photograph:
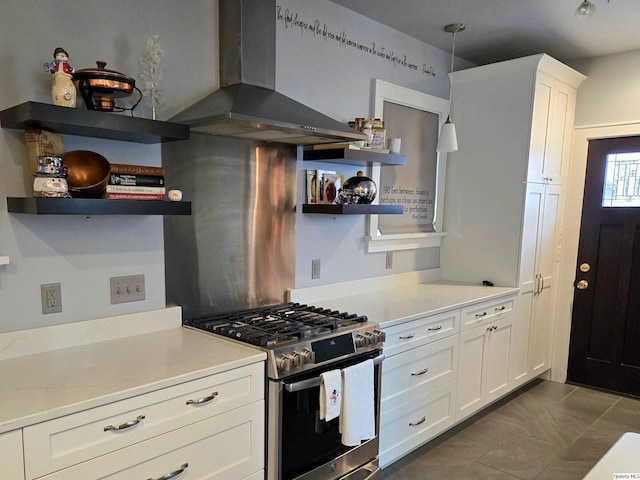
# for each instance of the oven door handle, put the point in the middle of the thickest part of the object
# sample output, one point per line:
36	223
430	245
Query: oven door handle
315	382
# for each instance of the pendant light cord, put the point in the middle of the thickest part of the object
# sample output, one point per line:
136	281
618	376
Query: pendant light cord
453	51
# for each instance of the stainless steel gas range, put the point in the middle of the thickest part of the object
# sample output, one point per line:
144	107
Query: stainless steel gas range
301	343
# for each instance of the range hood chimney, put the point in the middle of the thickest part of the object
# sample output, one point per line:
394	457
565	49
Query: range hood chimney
247	104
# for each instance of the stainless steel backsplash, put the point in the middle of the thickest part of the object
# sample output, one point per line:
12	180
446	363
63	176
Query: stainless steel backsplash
237	249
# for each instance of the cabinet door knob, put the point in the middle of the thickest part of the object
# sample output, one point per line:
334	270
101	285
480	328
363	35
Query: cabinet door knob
582	285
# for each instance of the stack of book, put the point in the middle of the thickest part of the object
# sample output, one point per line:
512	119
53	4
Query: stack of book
135	182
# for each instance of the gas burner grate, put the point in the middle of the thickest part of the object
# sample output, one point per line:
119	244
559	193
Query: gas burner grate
276	324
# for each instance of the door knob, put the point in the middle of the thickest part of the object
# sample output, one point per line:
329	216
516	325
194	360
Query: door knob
582	285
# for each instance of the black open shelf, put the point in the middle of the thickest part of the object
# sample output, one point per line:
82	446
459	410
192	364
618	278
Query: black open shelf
354	209
91	123
354	157
95	206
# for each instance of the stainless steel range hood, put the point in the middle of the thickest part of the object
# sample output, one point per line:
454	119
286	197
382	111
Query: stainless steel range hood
247	104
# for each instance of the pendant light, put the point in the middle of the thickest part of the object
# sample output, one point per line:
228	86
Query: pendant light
448	141
585	9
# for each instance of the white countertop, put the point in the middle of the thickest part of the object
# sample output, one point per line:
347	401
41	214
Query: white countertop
622	458
46	385
50	372
391	306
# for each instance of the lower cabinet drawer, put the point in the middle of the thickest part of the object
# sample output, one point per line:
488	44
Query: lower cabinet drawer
488	311
66	441
431	366
410	425
418	332
226	446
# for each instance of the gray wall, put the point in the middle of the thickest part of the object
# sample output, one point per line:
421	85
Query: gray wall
81	253
609	95
334	78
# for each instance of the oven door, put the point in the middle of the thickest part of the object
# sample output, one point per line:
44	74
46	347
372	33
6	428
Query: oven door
300	445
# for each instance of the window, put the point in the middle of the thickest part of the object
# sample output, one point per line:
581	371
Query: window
416	118
622	185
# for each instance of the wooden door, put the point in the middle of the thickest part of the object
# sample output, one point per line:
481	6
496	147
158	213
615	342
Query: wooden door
605	334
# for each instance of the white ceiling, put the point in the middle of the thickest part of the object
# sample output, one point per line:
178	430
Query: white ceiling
505	29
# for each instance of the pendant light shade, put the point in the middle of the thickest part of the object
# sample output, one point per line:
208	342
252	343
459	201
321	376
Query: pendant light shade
448	140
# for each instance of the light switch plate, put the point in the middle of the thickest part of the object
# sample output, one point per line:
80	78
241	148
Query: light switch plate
315	269
127	289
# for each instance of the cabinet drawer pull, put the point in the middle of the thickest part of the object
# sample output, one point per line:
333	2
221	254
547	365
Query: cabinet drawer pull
435	329
501	309
126	425
480	315
406	337
203	400
492	328
421	372
171	475
422	420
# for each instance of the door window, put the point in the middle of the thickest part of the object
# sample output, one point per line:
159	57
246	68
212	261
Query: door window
622	185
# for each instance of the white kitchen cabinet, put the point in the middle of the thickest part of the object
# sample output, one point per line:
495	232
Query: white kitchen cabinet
412	424
551	127
541	242
503	195
483	374
441	368
418	370
226	446
412	334
418	383
11	459
153	434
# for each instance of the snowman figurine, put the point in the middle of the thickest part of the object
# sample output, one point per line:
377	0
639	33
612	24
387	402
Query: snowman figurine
63	91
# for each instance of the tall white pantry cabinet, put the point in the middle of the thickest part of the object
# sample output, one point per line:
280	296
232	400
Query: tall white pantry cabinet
503	193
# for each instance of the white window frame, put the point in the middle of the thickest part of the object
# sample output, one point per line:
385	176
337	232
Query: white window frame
375	241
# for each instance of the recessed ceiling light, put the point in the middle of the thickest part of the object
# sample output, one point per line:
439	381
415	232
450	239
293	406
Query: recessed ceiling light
585	10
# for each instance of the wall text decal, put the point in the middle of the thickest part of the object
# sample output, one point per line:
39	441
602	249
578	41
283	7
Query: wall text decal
322	31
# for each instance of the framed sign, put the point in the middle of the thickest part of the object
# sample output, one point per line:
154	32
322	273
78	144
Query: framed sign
415	117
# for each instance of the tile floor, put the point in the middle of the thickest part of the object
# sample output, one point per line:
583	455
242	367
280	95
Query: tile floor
545	431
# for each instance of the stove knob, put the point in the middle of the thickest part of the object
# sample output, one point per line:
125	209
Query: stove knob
361	340
307	356
283	362
296	359
380	336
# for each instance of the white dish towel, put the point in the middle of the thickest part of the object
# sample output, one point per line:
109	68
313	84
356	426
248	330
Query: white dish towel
357	419
330	394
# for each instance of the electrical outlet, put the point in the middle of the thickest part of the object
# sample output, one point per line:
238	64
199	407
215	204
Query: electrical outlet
389	263
127	289
315	269
51	297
